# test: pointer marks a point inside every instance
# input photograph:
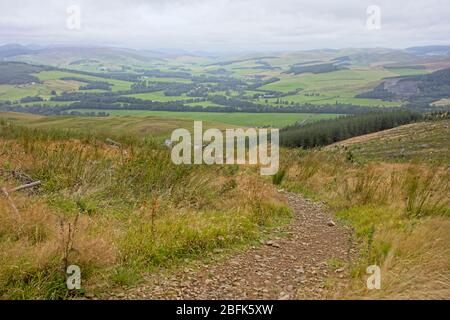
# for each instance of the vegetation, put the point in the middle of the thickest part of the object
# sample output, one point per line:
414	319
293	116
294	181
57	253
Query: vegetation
329	131
418	89
92	126
424	141
158	128
18	73
399	213
116	211
315	68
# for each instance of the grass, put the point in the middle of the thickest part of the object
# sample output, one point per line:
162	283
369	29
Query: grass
116	212
335	97
331	81
398	212
117	85
51	80
341	86
143	126
277	120
158	96
202	104
424	141
16	92
408	71
168	79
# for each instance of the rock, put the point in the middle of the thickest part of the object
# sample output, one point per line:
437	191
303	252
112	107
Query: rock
340	270
89	295
272	244
331	223
300	270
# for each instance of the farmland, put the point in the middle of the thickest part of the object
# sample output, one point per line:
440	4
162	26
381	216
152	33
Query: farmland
277	120
257	86
143	126
117	85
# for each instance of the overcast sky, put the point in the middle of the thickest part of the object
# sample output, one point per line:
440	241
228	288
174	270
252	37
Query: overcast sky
226	25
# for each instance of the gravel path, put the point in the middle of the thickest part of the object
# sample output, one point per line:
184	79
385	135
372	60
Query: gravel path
294	263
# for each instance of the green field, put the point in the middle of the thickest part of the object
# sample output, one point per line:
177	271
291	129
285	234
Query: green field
158	96
408	71
277	120
142	125
203	104
168	80
117	85
16	92
338	86
333	99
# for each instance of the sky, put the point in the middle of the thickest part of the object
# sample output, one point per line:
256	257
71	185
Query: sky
226	25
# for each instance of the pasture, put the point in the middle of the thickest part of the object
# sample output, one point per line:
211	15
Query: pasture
277	120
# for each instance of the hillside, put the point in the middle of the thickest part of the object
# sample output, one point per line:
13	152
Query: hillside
115	211
391	188
427	141
425	88
128	216
345	81
86	127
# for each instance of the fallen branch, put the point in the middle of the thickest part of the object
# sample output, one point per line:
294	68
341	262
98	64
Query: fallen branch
26	186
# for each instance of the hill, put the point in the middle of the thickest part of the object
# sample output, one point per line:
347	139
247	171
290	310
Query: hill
417	89
425	141
391	188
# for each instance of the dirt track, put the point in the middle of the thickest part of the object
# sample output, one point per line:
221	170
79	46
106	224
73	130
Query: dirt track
293	265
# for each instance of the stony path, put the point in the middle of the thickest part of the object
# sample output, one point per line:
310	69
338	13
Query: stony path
294	265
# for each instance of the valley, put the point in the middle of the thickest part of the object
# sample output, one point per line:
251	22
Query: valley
363	177
108	81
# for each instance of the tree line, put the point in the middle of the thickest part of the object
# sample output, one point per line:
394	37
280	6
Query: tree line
326	132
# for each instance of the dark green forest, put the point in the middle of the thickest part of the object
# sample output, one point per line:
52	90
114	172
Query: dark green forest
329	131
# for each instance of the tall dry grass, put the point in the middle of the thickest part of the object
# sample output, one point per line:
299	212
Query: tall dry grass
117	212
400	216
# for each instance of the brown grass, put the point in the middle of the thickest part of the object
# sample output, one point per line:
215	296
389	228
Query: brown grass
117	212
399	211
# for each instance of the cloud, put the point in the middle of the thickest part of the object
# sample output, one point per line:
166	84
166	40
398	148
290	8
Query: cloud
217	25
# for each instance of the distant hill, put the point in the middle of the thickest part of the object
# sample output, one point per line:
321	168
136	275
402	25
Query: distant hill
421	88
429	51
11	50
69	56
18	73
66	56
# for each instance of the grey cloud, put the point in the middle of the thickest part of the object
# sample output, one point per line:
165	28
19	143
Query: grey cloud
216	25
